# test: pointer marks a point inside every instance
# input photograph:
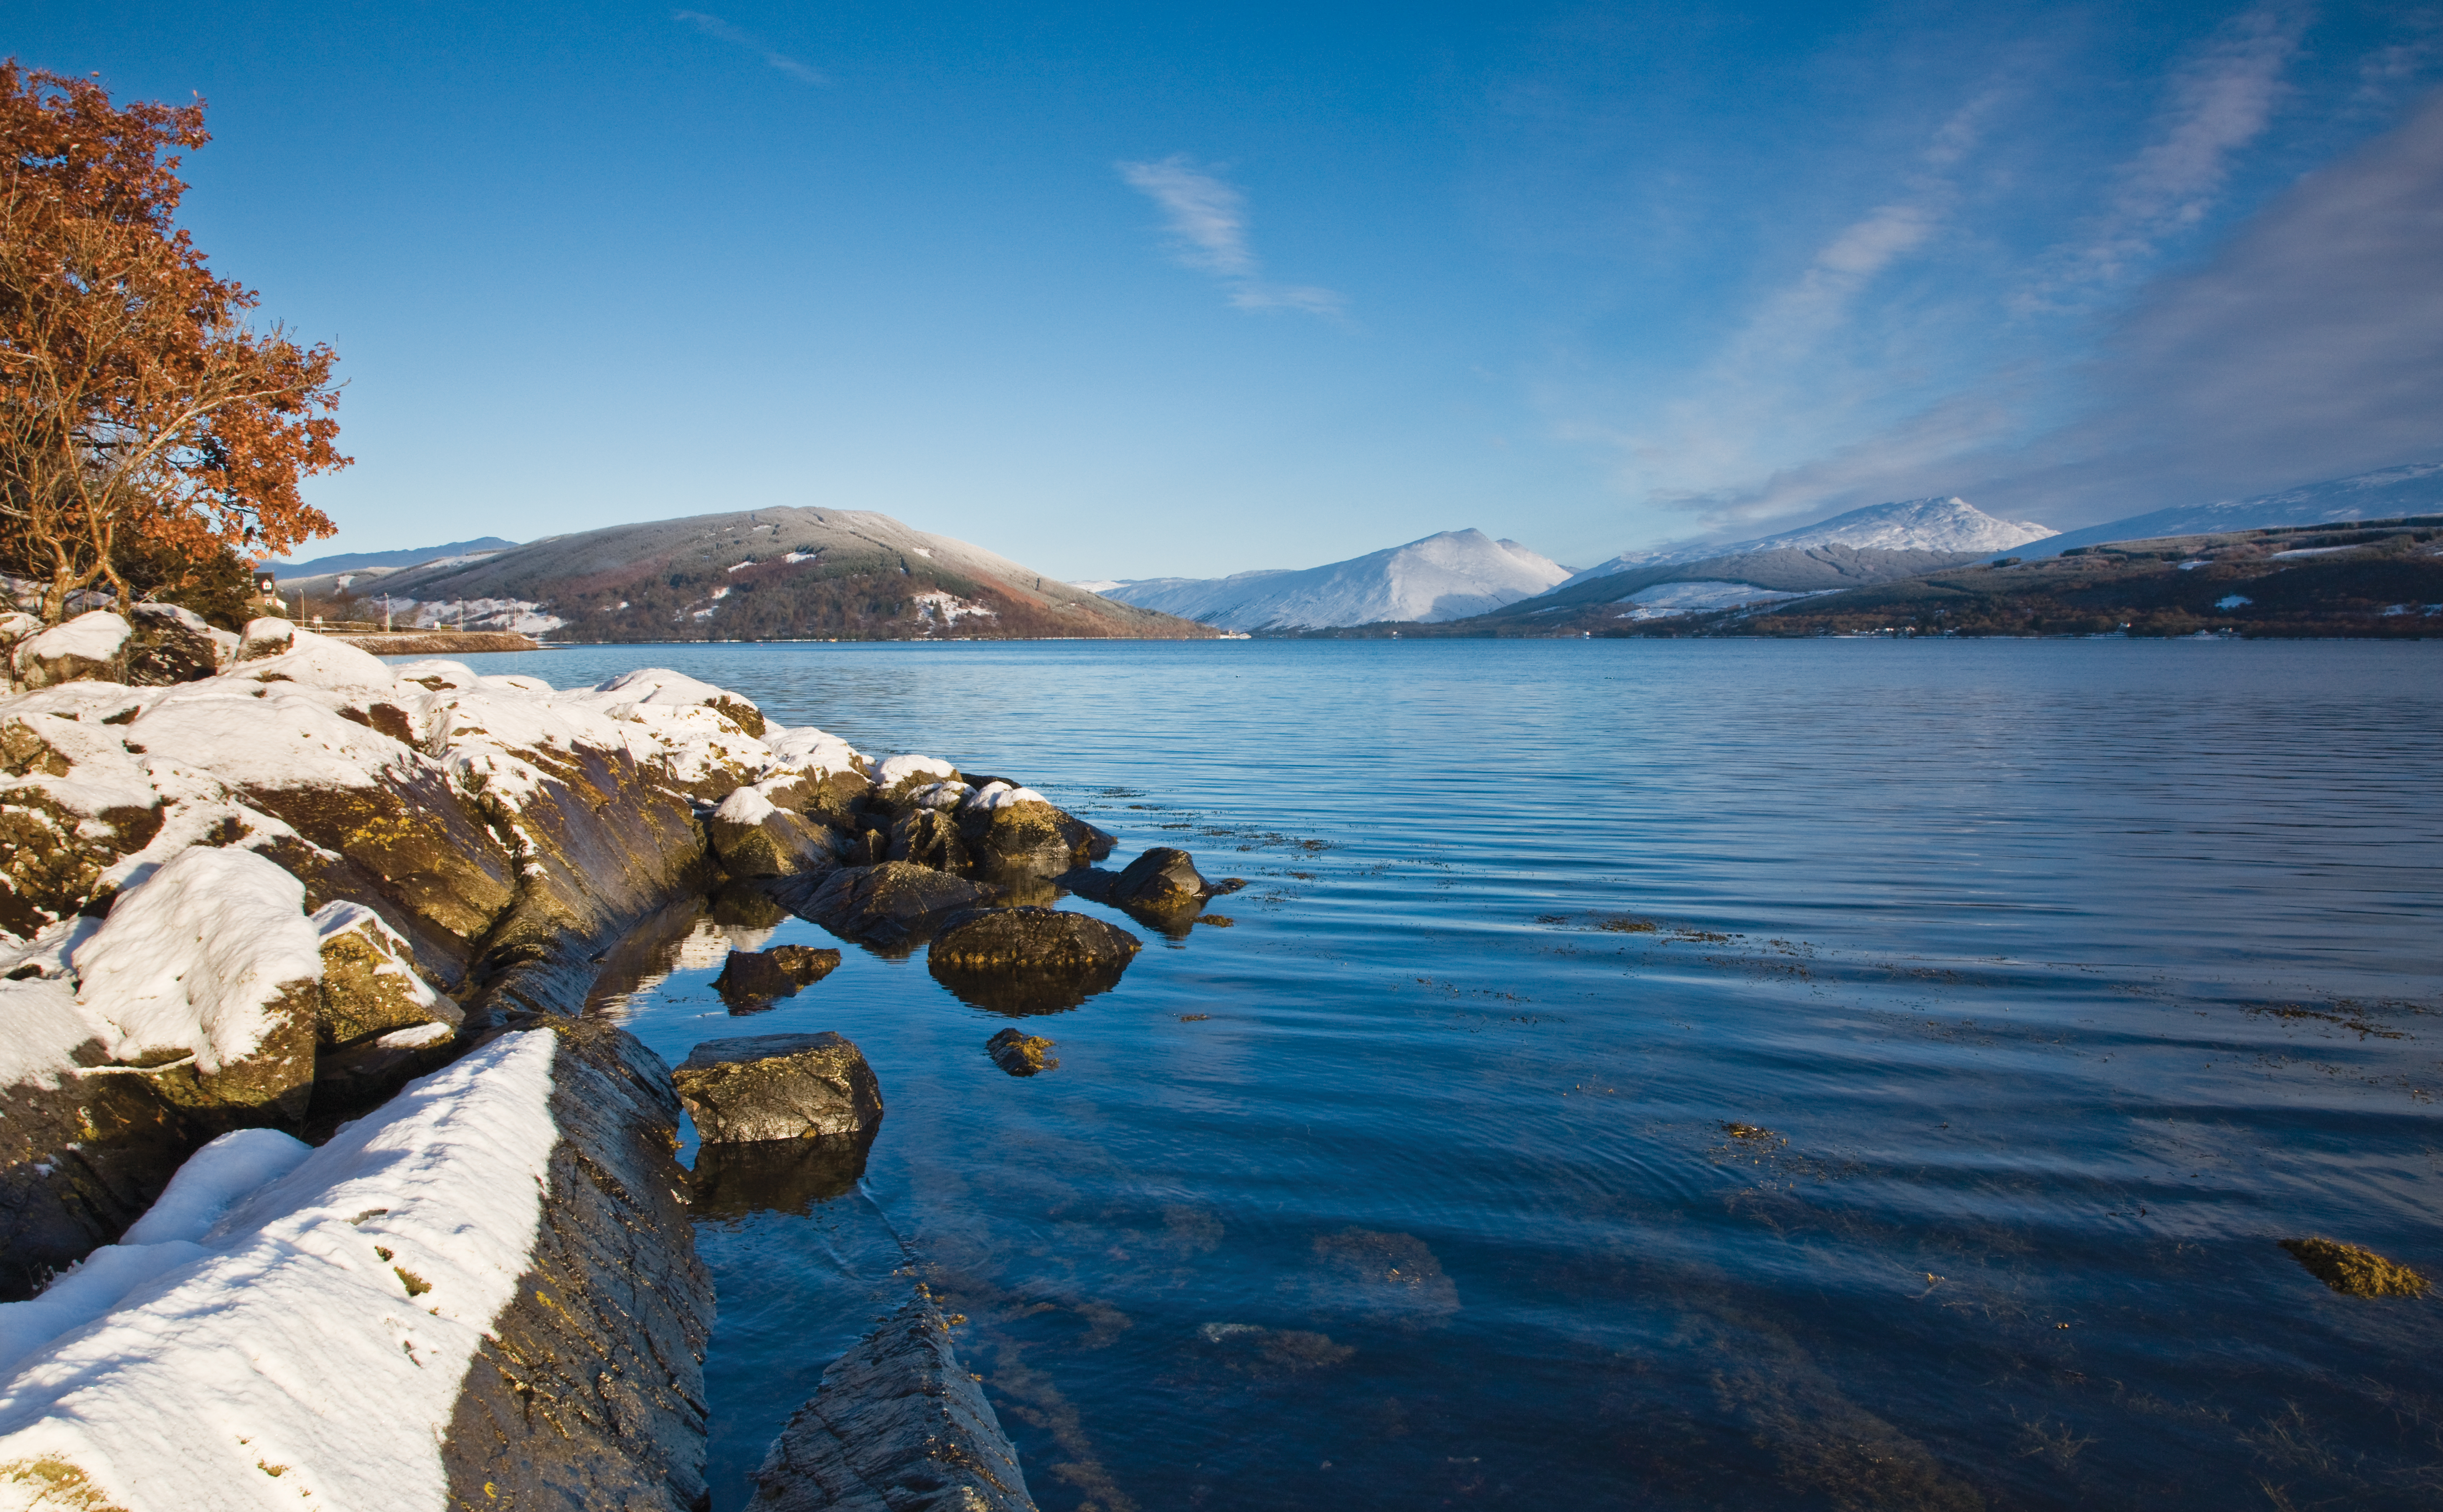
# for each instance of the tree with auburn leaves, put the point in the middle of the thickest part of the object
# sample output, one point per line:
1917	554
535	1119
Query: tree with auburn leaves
140	415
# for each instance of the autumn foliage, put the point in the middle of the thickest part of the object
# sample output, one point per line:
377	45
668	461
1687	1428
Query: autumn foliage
141	415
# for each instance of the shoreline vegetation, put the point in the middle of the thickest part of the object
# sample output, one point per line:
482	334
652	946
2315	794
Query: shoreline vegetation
295	951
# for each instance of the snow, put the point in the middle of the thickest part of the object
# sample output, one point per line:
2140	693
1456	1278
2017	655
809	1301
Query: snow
282	1335
793	558
749	804
899	769
191	958
1102	585
995	795
659	685
1665	599
949	608
41	1027
743	566
521	616
2312	550
2192	564
941	796
2233	601
1941	524
1446	576
2417	489
96	637
807	749
416	1034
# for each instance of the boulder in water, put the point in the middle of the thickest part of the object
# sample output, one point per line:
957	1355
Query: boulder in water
757	977
778	1086
896	1424
1028	960
888	906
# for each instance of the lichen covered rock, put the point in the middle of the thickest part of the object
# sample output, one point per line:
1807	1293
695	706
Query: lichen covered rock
1030	959
2354	1271
1021	1054
778	1086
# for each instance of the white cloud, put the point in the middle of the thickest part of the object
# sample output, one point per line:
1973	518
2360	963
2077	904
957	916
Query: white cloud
716	28
1207	219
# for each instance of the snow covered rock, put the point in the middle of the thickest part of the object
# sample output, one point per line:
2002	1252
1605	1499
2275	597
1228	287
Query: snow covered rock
482	1294
778	1086
207	976
759	831
370	986
1017	830
88	648
72	802
896	1424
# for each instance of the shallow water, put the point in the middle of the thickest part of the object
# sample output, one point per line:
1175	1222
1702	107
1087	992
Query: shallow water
2049	983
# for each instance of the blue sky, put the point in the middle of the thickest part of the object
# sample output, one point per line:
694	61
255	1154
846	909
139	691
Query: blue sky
1129	291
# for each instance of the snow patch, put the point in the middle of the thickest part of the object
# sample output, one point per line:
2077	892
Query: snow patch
283	1334
2233	601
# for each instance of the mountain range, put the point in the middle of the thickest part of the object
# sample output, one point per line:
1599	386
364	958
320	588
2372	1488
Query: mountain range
784	573
802	572
413	557
2395	492
1452	576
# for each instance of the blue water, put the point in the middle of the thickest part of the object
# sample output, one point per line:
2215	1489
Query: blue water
2049	982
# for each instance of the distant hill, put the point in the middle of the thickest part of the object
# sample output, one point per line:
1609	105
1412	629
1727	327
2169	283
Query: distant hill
1947	526
2362	578
2393	493
1448	577
412	556
750	575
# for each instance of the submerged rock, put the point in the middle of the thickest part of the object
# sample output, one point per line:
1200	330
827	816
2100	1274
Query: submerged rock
890	905
778	1086
752	977
776	1175
2354	1271
896	1426
1021	1054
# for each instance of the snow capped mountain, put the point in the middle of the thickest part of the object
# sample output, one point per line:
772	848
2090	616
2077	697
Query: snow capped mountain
1448	577
2417	489
1912	525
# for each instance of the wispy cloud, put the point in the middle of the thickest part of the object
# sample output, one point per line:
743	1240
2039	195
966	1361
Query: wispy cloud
1792	379
1207	219
716	28
2222	97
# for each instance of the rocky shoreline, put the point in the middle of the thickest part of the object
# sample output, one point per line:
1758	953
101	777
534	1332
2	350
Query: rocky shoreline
266	899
